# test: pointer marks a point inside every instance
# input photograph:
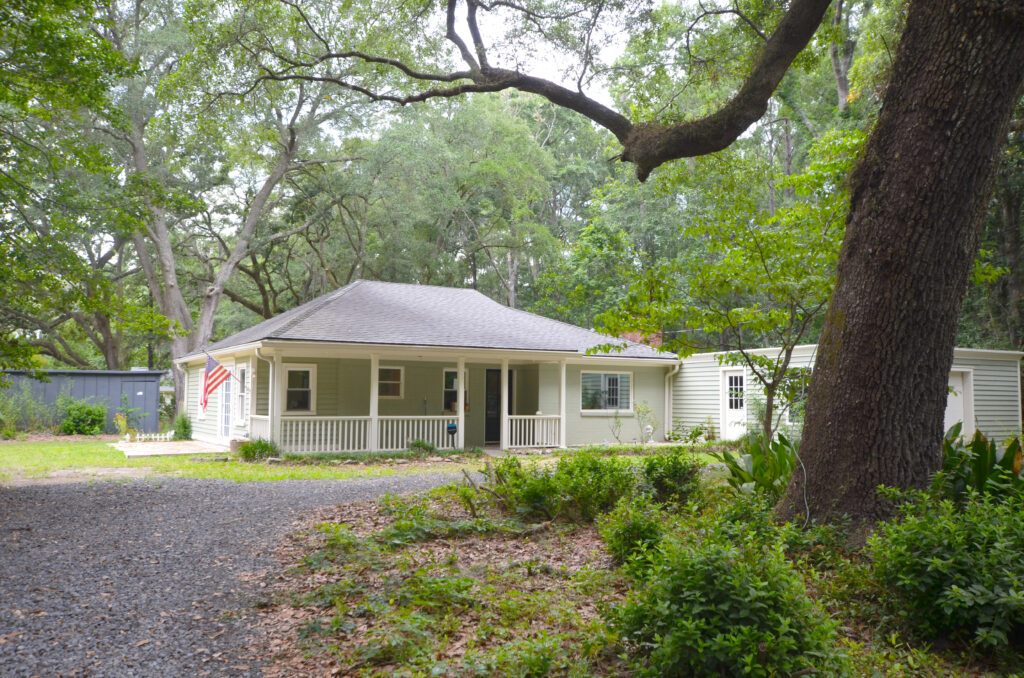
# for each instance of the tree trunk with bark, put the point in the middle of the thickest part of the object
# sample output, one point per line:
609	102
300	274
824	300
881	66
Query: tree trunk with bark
878	392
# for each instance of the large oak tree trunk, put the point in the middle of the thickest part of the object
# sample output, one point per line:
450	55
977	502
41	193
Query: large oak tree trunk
878	392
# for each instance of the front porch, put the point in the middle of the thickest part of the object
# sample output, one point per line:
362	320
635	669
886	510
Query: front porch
311	402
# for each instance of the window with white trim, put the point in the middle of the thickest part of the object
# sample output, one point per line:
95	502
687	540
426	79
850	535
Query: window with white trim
606	391
450	393
735	391
300	389
241	410
390	382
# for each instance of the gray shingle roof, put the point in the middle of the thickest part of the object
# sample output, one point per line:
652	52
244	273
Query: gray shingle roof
367	312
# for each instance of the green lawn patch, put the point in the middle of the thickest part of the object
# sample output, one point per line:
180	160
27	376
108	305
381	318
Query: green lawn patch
91	458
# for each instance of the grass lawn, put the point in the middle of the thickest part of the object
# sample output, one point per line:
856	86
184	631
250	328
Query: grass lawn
94	457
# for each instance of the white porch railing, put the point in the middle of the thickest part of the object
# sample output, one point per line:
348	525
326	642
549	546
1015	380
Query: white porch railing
324	434
396	433
259	426
539	430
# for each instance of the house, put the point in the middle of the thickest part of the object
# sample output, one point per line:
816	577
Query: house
373	366
984	392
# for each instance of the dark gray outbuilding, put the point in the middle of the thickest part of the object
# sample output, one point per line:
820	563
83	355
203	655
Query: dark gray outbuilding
102	387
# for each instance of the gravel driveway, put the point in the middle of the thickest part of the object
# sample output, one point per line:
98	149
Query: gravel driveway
140	579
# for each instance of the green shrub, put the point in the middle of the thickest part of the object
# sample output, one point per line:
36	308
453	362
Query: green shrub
182	427
260	448
578	487
721	601
82	417
673	477
634	526
955	569
978	466
762	466
422	448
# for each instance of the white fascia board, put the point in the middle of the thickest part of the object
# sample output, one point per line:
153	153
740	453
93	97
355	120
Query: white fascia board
300	349
241	349
987	353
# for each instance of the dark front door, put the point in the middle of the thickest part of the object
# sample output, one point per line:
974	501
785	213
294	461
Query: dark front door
492	427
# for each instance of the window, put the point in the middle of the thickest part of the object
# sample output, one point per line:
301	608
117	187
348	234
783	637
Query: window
606	391
241	411
451	393
300	391
735	391
389	382
795	390
225	407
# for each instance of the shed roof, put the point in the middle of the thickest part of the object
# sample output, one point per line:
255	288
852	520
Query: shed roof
369	312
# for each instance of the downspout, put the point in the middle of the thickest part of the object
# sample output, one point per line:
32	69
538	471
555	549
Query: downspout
270	393
668	396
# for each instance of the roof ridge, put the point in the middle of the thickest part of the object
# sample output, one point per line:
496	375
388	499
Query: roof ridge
314	307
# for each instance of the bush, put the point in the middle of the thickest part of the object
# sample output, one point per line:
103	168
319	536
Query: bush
260	448
82	417
955	569
182	427
673	477
578	487
722	602
634	526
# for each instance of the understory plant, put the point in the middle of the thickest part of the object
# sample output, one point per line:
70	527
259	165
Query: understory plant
977	465
257	449
956	567
182	427
582	485
81	416
763	466
722	600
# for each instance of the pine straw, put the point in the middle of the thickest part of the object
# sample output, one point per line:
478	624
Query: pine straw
541	563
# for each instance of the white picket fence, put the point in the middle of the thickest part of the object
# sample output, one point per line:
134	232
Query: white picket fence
541	430
324	434
397	432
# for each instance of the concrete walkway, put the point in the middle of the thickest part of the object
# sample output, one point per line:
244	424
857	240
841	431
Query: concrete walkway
153	449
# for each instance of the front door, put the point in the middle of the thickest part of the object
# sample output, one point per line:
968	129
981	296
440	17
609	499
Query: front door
734	404
492	410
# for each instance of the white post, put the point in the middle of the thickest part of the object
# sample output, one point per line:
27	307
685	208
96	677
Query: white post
504	404
275	392
561	403
372	441
460	403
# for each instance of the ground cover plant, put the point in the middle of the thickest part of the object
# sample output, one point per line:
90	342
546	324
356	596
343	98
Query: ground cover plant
598	564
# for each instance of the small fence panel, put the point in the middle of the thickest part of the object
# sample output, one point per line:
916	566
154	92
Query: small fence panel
534	430
325	434
397	432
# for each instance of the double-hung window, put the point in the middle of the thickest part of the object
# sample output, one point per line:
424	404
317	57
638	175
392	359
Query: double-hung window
300	389
389	382
450	393
241	391
606	391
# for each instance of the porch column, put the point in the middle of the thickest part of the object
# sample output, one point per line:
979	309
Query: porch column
372	437
460	402
504	404
561	403
274	392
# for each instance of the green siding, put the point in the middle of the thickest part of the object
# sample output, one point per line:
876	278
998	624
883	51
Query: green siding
204	427
262	386
696	392
583	429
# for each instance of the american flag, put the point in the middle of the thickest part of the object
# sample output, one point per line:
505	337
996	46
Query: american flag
215	376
